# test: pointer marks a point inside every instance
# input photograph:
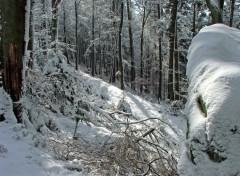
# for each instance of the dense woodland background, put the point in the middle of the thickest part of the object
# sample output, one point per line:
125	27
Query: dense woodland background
135	44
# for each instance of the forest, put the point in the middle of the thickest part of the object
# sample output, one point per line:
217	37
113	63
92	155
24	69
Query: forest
109	87
138	44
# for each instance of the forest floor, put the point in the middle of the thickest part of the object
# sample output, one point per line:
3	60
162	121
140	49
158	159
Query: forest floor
24	152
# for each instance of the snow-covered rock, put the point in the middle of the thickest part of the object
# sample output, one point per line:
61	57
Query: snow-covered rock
213	137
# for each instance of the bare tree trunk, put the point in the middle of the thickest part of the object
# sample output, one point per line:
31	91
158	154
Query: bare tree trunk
13	14
176	62
141	48
93	63
120	48
54	23
30	41
113	48
131	44
141	52
1	46
160	57
76	35
194	19
216	12
232	13
171	49
65	52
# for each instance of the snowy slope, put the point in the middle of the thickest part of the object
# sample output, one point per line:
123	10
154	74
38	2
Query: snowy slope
213	112
20	153
111	125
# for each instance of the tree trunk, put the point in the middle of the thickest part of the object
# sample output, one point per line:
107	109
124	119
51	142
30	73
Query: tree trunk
65	51
159	58
171	49
120	48
54	23
13	17
216	12
1	46
76	35
176	62
194	19
93	63
141	49
131	44
114	45
232	13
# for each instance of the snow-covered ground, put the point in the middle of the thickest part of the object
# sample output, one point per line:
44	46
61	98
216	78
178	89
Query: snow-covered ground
78	125
25	151
213	70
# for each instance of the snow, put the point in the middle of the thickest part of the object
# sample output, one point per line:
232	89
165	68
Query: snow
19	154
56	139
212	109
6	107
44	145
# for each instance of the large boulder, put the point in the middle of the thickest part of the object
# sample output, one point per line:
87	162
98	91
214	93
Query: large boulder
213	107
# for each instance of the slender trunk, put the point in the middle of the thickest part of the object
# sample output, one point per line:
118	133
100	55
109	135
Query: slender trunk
232	13
76	35
54	25
93	63
113	47
30	42
44	43
131	44
65	35
120	48
100	50
176	62
1	47
171	50
194	19
160	58
141	50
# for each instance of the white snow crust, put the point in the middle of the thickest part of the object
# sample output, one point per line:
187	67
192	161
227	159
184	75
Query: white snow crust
213	139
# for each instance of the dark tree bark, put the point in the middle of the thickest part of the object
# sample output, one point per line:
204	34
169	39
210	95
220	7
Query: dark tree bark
93	61
159	57
194	19
171	49
54	23
176	64
76	35
141	52
120	48
13	17
30	42
232	13
144	20
131	44
65	52
1	46
216	12
113	58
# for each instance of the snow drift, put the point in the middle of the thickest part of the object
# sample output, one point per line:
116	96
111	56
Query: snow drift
212	146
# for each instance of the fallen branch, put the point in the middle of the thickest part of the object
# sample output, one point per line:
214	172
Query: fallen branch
145	134
152	118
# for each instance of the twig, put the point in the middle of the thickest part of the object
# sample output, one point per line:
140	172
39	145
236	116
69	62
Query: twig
145	134
151	118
